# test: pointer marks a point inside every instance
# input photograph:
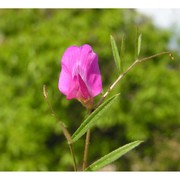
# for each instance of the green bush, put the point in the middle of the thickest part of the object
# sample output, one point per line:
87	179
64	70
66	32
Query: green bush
32	42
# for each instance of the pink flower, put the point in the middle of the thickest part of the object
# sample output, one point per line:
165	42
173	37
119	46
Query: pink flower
80	76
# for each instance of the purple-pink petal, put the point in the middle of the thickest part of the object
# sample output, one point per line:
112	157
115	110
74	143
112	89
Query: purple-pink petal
80	75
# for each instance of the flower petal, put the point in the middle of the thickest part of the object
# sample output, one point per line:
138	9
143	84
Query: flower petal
70	57
65	80
94	80
68	61
78	89
91	72
80	76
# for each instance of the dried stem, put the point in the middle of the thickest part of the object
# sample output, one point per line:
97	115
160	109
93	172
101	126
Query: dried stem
64	129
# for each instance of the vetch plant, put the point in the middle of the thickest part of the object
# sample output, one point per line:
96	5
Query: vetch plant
80	79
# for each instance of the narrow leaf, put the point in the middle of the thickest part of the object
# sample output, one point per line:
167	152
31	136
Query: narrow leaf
114	155
139	44
116	54
92	118
122	50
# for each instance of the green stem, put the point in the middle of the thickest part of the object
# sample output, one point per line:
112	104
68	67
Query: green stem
86	149
87	141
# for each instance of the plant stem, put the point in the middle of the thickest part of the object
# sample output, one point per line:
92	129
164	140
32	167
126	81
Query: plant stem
137	61
87	141
73	156
70	144
86	149
64	129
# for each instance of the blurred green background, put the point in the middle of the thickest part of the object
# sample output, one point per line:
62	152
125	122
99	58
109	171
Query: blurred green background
32	42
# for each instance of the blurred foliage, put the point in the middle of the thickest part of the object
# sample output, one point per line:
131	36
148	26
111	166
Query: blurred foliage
32	42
